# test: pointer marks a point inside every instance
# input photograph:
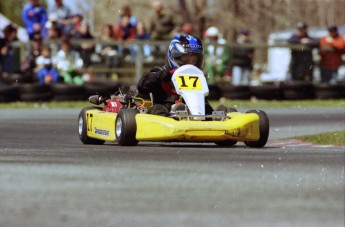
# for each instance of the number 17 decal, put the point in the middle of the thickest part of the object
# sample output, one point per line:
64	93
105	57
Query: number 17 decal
189	83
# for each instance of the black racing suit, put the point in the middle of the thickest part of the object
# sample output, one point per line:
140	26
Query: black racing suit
158	82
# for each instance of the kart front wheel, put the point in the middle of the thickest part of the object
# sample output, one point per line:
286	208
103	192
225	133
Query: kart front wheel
264	128
82	129
126	127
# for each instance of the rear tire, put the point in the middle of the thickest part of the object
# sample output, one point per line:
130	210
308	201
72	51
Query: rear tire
264	129
126	127
82	128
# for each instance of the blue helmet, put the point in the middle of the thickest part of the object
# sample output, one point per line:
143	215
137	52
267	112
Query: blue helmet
184	45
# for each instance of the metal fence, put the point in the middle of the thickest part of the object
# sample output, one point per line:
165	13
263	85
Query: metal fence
131	71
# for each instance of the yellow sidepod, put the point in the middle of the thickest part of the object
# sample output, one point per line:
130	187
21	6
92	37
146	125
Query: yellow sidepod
241	127
101	125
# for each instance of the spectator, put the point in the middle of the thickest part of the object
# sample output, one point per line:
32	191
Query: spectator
107	49
126	12
34	18
302	65
44	54
69	63
163	24
242	60
46	73
62	13
332	48
52	30
85	48
143	35
216	55
73	25
125	30
32	53
7	51
187	28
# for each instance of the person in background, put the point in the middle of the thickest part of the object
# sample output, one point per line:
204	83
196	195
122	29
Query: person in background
34	17
85	48
29	63
51	25
126	12
242	59
46	72
183	49
302	65
73	25
61	12
106	49
187	28
216	55
125	30
7	51
69	63
163	24
332	48
143	35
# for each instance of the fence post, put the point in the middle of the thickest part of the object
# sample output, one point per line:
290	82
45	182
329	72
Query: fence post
139	62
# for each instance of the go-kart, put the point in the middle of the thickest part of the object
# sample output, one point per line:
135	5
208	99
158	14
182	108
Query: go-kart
126	119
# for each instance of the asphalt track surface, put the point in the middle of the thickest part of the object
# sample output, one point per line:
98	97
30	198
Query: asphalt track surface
48	178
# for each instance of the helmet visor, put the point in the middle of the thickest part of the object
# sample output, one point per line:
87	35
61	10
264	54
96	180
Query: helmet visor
191	59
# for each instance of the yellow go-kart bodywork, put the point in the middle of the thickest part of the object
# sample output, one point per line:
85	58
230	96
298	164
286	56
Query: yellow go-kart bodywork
235	126
125	120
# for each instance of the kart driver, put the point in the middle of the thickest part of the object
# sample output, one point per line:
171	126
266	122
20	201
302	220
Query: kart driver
183	49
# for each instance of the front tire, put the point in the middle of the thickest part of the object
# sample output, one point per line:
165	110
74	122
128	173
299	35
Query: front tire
264	129
82	129
126	127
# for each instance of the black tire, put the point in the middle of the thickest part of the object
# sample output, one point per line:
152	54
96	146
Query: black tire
101	88
267	91
67	92
215	92
34	92
235	92
15	78
298	90
82	128
328	91
32	97
34	88
264	129
126	127
8	93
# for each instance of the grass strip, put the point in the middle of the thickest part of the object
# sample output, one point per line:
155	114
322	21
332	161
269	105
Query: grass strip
329	138
230	103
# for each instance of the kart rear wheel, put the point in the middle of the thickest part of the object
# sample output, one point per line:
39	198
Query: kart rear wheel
126	127
264	129
82	128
